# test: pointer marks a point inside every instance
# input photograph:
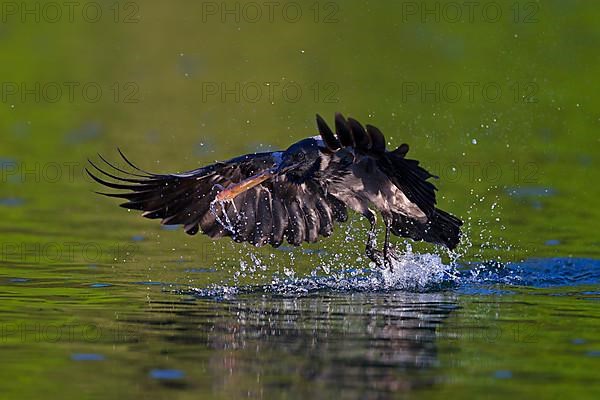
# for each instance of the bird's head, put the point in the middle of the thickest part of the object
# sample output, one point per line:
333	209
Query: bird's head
300	160
297	163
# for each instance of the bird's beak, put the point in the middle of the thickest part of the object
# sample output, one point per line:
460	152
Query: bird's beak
232	191
283	168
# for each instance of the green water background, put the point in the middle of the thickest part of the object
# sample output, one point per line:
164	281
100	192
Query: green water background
519	164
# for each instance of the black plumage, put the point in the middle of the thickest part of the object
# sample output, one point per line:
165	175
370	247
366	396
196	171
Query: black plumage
296	195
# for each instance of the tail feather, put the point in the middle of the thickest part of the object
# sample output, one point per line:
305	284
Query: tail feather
442	228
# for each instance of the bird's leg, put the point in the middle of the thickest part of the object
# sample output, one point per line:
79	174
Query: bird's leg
371	252
389	252
386	246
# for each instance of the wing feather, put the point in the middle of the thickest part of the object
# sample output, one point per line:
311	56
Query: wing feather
363	170
266	214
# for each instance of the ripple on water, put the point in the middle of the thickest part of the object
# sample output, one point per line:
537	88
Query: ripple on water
18	280
530	191
503	374
87	357
200	270
100	285
167	374
11	201
536	272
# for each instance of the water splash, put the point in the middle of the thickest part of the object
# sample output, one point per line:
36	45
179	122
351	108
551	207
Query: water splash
425	273
226	223
409	272
415	271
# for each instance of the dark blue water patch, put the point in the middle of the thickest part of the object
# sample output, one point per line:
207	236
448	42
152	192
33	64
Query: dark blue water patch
590	295
530	191
200	270
138	238
537	273
204	148
578	341
18	280
531	194
85	133
100	285
285	248
87	357
167	374
593	353
257	147
314	251
170	227
503	374
189	65
585	160
536	204
21	129
7	163
148	283
153	136
552	242
11	201
10	171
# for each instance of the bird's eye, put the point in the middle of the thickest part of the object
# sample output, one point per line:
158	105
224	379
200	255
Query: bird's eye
300	156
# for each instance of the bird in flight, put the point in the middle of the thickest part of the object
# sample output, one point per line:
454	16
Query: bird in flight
296	195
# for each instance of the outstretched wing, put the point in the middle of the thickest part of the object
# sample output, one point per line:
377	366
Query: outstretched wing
405	174
268	213
372	160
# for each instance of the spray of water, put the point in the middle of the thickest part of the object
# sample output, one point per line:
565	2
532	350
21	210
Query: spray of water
225	221
407	270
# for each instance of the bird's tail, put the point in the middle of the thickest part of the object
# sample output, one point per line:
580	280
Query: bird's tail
441	228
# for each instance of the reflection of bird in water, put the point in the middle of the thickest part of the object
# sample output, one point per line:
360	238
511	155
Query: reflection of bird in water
365	345
298	194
